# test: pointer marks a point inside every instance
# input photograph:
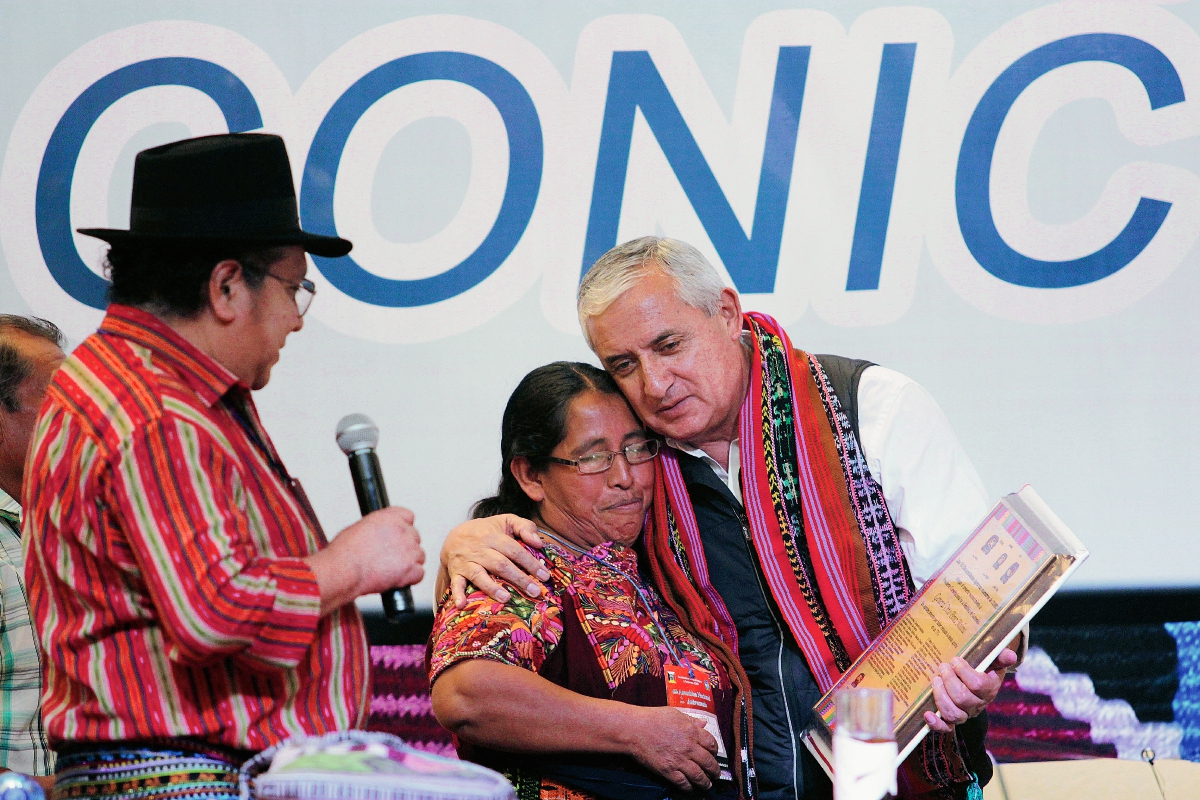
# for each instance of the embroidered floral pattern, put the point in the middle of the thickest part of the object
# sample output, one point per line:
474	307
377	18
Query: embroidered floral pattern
626	638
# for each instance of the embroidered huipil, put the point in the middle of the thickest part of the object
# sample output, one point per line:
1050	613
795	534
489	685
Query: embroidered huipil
163	553
22	738
589	632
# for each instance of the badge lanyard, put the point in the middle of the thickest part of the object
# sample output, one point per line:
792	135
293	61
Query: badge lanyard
685	691
641	596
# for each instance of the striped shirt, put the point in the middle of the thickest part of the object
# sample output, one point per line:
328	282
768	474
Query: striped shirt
163	549
22	738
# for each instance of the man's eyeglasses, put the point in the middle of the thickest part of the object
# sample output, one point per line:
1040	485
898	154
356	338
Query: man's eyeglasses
636	453
302	292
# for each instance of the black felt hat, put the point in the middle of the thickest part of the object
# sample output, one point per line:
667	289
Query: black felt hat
231	188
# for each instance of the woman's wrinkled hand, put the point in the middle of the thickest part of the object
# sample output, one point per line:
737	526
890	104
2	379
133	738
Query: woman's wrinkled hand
675	746
481	550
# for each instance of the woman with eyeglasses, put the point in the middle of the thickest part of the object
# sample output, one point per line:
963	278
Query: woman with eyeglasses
593	689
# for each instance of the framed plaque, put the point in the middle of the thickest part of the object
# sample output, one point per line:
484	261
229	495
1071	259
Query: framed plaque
1002	575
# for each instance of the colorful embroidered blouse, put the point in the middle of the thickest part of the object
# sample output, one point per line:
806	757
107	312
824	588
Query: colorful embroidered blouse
588	631
625	639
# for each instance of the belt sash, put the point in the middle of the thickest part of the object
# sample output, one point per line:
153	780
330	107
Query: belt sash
146	773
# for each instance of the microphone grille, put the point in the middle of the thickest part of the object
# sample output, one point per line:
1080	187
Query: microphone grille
357	432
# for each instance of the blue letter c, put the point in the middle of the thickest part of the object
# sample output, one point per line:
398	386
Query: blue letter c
973	179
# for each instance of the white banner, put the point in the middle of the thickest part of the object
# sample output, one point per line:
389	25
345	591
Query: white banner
1001	201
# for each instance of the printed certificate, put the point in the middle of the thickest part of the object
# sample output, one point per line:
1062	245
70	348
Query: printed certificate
972	607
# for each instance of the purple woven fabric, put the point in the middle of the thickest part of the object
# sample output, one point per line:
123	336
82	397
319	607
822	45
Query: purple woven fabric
400	700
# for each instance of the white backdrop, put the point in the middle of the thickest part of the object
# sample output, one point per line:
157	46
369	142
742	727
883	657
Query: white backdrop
1000	200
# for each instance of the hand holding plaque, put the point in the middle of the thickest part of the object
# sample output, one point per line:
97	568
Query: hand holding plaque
1018	556
960	692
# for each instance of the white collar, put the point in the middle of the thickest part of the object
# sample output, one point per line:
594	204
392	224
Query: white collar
9	504
730	477
697	452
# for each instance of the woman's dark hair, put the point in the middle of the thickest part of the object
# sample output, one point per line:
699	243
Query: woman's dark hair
171	279
535	421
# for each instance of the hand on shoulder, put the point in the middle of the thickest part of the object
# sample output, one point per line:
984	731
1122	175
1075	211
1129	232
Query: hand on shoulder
480	551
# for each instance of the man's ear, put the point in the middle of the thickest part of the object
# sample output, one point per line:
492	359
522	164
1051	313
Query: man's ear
226	290
529	478
729	310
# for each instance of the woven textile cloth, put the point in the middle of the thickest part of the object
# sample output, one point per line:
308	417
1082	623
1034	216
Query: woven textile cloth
1101	690
364	765
400	702
146	774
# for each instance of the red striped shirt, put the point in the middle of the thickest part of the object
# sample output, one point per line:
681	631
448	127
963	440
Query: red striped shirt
163	556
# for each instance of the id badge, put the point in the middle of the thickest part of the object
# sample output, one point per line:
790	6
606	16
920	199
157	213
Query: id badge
694	697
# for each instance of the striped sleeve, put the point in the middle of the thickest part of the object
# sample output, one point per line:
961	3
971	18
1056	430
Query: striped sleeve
186	513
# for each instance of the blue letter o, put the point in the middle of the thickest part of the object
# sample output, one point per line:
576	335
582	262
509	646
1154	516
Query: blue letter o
520	195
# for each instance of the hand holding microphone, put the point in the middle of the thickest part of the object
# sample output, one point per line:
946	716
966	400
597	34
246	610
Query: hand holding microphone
387	533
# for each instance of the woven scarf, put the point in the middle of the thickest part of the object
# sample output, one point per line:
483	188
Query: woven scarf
825	541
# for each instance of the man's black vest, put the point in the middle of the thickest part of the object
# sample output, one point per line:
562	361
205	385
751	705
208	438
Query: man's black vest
783	690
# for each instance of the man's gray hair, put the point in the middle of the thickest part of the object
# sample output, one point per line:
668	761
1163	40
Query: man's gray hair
696	281
14	367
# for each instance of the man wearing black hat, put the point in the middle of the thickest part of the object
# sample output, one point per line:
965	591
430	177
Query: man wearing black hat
190	608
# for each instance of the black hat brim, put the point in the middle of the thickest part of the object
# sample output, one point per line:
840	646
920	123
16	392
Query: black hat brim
326	246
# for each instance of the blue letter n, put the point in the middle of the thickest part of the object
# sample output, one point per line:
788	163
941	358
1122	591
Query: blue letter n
634	83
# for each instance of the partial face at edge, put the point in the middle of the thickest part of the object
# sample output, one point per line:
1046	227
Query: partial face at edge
683	371
16	428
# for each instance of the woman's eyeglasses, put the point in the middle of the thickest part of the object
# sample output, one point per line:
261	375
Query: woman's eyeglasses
636	453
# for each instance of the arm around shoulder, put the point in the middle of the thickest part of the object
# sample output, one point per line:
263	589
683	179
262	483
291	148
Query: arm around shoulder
485	551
